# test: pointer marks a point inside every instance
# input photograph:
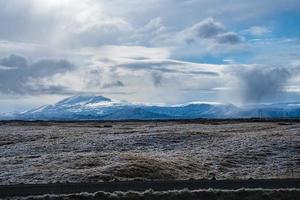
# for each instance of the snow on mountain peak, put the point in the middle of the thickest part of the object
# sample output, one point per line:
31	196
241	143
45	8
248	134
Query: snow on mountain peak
81	100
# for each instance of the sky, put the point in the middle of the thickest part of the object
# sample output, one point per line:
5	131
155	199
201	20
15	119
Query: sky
150	51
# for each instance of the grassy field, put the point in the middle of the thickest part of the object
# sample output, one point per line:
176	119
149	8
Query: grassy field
49	152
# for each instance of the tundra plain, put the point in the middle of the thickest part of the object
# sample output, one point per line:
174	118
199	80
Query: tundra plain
51	152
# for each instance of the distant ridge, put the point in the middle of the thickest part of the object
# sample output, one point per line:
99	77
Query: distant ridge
103	108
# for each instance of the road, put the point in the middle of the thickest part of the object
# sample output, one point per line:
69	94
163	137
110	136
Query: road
69	188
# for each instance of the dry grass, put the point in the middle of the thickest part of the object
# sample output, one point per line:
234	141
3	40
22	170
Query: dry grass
91	152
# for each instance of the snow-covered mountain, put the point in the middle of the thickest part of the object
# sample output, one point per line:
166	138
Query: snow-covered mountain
102	108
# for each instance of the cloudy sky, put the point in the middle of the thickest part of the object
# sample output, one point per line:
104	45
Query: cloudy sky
152	51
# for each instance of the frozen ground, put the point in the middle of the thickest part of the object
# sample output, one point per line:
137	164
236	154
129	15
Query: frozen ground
80	152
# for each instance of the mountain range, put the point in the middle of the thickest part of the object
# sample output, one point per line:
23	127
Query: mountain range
102	108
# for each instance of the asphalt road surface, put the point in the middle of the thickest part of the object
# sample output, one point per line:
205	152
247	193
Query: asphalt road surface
69	188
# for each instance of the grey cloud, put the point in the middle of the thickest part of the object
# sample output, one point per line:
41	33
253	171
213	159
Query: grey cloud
229	38
202	73
113	84
150	65
16	79
48	67
164	66
209	29
14	61
48	89
96	79
157	79
258	85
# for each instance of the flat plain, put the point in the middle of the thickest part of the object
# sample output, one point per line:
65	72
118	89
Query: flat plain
51	152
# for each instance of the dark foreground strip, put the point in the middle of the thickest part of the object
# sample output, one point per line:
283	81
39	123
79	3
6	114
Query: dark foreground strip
69	188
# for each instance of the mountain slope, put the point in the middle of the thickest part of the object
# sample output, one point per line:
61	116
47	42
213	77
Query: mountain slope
102	108
135	113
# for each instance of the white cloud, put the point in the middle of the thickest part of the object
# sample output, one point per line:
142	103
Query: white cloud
257	31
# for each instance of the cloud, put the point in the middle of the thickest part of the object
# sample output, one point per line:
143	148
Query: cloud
119	52
94	22
169	66
211	30
113	84
14	61
38	89
229	38
257	30
20	73
61	24
207	28
259	85
157	79
90	23
154	33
